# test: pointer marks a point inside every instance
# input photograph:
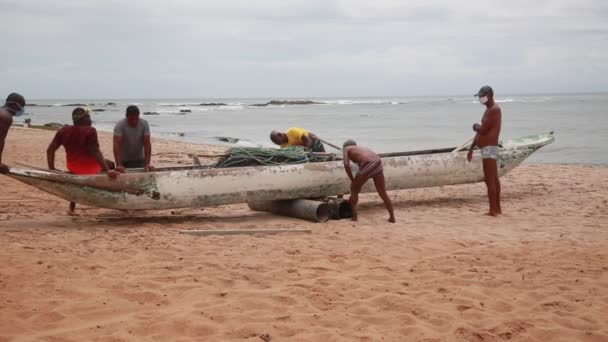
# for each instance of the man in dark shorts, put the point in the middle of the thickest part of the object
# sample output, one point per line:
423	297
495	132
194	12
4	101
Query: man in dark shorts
14	106
486	138
132	145
83	156
370	166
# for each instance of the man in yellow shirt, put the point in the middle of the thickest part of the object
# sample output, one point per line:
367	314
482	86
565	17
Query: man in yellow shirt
296	136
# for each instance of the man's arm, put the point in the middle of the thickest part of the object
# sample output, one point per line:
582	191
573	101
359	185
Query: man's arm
117	143
346	159
96	152
307	141
5	124
489	122
148	152
50	153
473	144
93	148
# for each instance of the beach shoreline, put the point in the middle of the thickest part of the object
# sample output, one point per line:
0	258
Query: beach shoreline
443	272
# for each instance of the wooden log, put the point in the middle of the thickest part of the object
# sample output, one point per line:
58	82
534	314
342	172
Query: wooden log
243	231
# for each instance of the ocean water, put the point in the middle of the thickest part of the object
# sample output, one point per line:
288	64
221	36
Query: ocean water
389	124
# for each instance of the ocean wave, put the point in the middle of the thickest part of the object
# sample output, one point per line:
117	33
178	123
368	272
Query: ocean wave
283	103
362	102
192	104
515	100
77	104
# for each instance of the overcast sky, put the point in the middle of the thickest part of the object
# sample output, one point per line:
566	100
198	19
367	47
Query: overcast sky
304	48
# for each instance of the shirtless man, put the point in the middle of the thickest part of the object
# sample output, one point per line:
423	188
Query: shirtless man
370	166
487	140
14	106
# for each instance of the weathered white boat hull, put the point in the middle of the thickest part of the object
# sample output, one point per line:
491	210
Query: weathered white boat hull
209	187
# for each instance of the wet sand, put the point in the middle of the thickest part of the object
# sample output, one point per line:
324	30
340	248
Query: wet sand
444	272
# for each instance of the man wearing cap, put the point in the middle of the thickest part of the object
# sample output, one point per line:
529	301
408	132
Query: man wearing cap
83	155
486	138
13	106
132	145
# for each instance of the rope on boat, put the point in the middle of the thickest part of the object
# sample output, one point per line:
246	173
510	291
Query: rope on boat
252	156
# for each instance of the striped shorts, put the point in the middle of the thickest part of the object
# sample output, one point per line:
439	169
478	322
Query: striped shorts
370	169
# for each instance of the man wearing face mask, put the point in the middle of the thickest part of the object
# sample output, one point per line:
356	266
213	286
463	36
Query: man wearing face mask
486	138
14	106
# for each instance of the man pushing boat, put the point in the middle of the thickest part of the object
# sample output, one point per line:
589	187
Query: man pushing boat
14	106
296	136
370	166
132	144
83	155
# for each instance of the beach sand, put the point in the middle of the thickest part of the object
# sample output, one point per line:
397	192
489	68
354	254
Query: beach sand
444	272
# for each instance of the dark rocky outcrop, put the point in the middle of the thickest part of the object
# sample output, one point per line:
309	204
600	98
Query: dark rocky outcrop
77	104
213	104
54	125
228	139
98	110
185	111
151	113
286	102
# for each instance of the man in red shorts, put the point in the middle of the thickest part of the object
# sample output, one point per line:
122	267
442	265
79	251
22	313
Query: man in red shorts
81	145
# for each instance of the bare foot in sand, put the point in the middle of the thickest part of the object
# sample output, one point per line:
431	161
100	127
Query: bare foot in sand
391	220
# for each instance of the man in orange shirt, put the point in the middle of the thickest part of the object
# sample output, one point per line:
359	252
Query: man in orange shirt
81	145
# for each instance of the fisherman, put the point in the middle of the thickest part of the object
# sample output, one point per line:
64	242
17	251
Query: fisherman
14	106
296	136
132	145
486	137
370	166
83	155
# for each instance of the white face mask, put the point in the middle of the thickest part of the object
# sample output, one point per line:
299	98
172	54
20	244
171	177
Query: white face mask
483	100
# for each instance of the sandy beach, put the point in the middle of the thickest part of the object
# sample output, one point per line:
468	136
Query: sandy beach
443	272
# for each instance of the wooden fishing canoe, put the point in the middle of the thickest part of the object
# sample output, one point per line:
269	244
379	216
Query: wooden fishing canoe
199	187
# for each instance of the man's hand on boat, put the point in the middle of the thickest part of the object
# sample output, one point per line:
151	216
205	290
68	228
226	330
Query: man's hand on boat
4	169
470	155
112	174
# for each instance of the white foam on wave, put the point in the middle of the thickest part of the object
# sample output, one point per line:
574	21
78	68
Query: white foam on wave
229	107
360	102
177	104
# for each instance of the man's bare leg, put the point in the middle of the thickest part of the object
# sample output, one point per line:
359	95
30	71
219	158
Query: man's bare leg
355	188
381	188
491	175
498	193
72	208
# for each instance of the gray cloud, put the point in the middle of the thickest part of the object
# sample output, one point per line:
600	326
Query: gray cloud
181	48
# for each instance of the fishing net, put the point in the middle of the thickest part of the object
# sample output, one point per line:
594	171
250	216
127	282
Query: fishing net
256	156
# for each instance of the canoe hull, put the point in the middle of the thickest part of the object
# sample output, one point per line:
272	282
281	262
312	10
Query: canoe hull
210	187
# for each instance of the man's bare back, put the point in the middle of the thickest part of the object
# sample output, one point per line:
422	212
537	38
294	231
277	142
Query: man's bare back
360	155
6	120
